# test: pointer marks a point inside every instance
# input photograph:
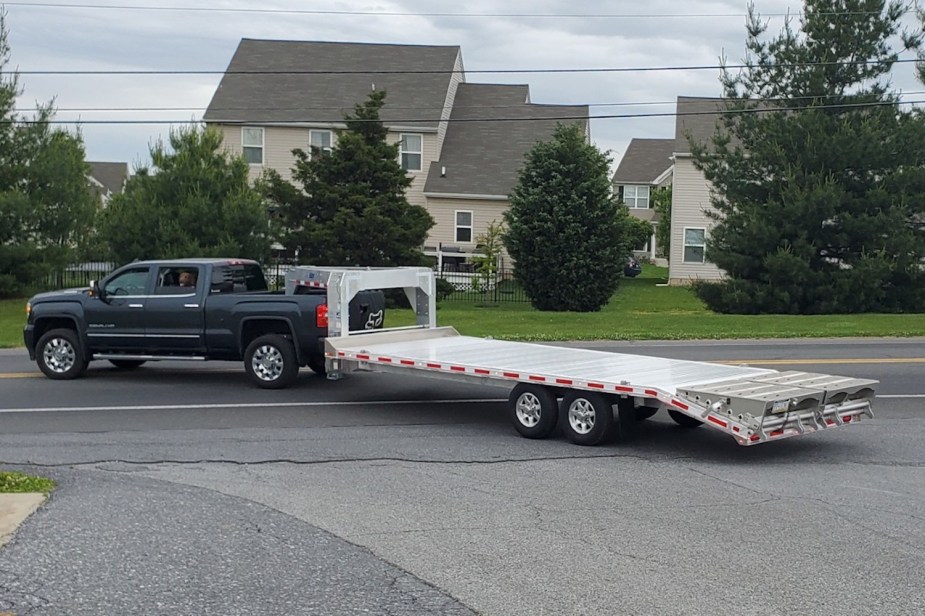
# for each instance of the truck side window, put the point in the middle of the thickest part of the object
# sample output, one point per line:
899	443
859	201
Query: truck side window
128	282
237	278
175	281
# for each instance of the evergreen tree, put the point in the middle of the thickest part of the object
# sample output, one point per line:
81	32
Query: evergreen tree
817	171
197	201
661	203
46	205
351	208
567	232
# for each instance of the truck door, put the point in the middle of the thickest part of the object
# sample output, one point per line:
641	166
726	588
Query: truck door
174	313
116	321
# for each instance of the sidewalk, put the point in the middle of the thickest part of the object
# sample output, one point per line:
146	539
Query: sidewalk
14	509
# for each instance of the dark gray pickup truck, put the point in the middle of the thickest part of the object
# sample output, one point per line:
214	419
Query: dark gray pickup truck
187	309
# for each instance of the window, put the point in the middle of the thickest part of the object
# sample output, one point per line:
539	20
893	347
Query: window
320	141
636	197
252	142
695	243
236	278
411	149
176	281
129	282
463	226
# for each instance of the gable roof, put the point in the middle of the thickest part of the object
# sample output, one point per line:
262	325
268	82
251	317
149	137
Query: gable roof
644	160
309	81
697	116
111	176
491	128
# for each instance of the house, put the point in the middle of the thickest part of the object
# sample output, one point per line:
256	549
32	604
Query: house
461	143
645	166
696	121
107	179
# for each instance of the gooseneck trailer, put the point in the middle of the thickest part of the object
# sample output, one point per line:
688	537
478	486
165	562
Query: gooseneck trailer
591	394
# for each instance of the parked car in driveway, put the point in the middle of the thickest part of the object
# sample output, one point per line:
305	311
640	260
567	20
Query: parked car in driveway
632	268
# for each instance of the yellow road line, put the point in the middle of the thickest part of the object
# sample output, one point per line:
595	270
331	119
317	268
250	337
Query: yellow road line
793	362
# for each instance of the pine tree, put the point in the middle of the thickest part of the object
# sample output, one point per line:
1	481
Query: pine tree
568	234
351	207
817	171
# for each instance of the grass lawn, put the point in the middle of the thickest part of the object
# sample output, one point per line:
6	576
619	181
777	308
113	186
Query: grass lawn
640	310
18	482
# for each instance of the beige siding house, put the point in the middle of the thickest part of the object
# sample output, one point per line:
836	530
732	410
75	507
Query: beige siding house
461	143
690	197
646	166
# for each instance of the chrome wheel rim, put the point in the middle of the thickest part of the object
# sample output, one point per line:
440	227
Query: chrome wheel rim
267	363
581	416
528	410
59	355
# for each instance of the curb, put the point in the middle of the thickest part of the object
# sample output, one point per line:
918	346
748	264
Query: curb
14	509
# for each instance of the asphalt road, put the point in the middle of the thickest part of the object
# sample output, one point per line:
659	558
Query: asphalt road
186	491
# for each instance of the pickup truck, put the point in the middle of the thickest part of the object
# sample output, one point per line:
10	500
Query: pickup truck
141	312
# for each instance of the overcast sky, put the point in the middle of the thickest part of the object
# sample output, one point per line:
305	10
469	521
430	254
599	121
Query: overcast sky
589	34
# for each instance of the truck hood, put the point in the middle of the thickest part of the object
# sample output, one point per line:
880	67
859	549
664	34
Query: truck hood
58	295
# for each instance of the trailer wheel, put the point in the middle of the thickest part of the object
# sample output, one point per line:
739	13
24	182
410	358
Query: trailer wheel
645	412
270	362
59	355
534	410
126	364
587	417
684	420
317	365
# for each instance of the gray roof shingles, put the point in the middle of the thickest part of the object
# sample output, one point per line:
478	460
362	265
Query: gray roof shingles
644	160
284	82
697	117
491	128
111	175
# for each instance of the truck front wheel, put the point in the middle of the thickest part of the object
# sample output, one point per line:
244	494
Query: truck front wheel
59	356
270	361
534	411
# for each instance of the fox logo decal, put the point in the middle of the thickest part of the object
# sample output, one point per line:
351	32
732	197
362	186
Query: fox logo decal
374	320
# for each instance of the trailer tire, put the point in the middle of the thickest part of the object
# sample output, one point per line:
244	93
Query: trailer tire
126	364
59	356
587	417
317	365
270	361
534	410
645	412
683	420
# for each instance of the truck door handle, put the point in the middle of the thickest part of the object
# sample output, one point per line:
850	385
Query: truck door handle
136	305
191	305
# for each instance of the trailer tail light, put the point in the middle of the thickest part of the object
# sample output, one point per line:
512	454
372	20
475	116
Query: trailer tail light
321	316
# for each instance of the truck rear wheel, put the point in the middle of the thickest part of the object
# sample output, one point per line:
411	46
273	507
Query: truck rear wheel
684	420
534	410
271	362
587	417
59	356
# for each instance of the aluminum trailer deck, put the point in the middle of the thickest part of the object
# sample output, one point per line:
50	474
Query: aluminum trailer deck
752	405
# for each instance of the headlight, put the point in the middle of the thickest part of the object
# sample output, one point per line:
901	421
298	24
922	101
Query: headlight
28	309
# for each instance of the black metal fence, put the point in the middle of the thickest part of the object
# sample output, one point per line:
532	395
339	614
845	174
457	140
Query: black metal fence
467	284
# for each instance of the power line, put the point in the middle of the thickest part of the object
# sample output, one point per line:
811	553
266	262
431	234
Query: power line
634	69
717	112
452	14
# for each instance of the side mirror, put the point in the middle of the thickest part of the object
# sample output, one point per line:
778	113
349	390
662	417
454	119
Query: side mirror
96	291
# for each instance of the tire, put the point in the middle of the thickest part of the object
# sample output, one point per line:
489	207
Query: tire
270	362
587	417
534	410
59	356
317	365
126	364
683	420
645	412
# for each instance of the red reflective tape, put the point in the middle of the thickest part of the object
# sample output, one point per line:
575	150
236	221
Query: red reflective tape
596	385
777	433
542	379
359	356
830	422
718	422
386	360
847	418
735	428
680	404
407	362
623	388
511	375
652	392
341	354
754	437
564	381
482	371
437	366
457	369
